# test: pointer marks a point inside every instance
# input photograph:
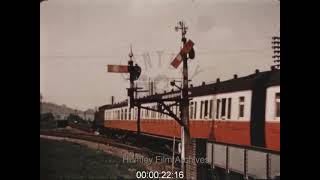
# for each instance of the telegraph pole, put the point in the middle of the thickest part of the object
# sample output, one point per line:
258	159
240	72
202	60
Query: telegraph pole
184	107
276	47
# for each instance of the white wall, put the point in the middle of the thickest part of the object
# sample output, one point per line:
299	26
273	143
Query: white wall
235	105
271	103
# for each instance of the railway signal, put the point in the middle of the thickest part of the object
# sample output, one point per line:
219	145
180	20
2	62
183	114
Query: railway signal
187	49
134	72
184	105
187	52
118	68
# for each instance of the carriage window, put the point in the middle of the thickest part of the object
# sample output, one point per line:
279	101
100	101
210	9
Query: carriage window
125	113
210	110
218	108
121	114
201	107
129	115
177	111
241	106
229	108
152	112
135	116
223	108
277	104
141	113
195	110
205	109
191	110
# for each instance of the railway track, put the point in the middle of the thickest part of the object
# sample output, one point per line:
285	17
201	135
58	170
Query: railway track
103	140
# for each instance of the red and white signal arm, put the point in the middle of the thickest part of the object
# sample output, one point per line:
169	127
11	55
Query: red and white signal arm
185	50
176	61
118	68
187	47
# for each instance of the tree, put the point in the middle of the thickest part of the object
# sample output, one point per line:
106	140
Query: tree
47	117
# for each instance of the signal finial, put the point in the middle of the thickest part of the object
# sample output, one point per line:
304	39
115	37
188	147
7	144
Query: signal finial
130	54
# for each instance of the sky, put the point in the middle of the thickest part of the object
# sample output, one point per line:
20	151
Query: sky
79	38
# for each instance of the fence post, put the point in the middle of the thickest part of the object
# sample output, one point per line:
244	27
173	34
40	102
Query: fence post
227	163
245	170
268	165
212	155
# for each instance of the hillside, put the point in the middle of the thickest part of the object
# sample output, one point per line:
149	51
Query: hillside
62	111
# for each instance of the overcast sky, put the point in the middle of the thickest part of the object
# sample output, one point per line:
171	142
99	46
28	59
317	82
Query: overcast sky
78	38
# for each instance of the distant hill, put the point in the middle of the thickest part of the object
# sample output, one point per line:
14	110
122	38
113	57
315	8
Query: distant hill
62	111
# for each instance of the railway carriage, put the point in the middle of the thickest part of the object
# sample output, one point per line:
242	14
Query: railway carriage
242	111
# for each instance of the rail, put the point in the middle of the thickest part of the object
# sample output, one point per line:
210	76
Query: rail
101	140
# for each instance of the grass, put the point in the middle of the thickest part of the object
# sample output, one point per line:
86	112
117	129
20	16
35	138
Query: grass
65	160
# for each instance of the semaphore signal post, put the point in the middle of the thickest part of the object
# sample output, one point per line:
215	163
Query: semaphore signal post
184	106
187	52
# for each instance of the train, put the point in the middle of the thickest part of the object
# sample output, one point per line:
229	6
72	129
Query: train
242	111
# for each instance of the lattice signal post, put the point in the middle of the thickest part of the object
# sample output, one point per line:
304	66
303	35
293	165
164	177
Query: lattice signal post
187	52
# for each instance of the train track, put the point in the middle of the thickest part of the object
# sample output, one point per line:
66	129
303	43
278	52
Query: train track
81	135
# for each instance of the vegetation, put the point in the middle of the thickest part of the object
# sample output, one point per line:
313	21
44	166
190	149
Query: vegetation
62	111
64	160
47	121
47	117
